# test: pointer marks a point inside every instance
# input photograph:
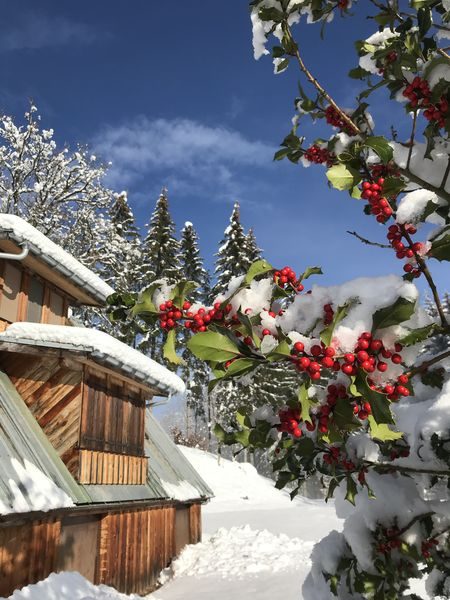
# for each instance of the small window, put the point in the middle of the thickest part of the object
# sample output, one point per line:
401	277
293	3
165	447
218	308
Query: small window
35	299
56	312
12	277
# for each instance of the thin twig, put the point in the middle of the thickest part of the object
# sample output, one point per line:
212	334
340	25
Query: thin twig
368	242
423	267
427	364
315	82
401	469
411	141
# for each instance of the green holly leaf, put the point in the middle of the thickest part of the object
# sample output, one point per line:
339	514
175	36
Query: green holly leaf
181	291
379	403
260	267
145	302
240	366
310	271
283	350
306	402
213	346
417	335
440	245
382	432
343	177
380	145
169	351
400	311
352	490
392	186
326	335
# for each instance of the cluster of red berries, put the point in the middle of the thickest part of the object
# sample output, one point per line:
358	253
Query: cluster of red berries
437	112
379	206
427	545
286	278
418	93
318	155
333	118
329	314
170	314
199	321
390	540
334	457
403	249
319	356
368	354
342	4
399	453
390	58
289	421
380	170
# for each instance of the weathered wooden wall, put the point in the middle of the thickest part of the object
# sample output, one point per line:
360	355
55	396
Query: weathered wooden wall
52	391
27	554
113	415
109	468
135	547
126	549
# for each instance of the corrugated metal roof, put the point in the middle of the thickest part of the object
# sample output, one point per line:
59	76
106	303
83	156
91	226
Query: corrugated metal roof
22	438
167	464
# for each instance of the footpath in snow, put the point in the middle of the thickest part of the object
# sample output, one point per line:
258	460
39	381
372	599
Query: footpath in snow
256	544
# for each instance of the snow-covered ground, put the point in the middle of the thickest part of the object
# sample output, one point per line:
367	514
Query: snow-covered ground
256	544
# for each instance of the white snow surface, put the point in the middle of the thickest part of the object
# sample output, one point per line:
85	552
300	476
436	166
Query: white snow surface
91	340
27	233
32	490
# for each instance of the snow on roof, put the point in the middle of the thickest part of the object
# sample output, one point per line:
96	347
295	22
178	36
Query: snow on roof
55	256
101	347
30	489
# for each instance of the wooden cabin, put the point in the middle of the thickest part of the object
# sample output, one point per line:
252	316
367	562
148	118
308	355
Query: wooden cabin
89	481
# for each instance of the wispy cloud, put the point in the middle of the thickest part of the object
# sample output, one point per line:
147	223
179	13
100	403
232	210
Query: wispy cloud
40	31
187	156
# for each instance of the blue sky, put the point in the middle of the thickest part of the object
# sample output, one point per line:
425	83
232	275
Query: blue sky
171	94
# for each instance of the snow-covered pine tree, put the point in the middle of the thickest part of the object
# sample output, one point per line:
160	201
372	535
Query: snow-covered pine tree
194	372
160	249
160	260
233	255
254	252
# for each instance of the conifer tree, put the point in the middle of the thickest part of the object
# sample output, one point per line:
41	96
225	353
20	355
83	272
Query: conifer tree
233	255
254	252
160	260
160	247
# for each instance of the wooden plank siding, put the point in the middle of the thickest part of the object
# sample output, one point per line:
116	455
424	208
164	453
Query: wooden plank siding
52	391
113	415
134	547
27	554
114	469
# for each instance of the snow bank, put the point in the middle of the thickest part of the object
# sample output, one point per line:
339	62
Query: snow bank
68	586
235	485
24	232
100	344
32	490
239	552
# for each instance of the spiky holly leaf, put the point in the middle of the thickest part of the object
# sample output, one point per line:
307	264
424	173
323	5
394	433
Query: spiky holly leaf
380	145
260	267
306	402
145	302
396	313
181	291
326	335
440	245
343	177
382	431
418	335
169	350
379	403
310	271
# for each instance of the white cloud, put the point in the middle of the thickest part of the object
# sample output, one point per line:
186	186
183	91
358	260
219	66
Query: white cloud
187	156
39	31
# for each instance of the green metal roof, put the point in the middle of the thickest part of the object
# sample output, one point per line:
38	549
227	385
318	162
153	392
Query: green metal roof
22	438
